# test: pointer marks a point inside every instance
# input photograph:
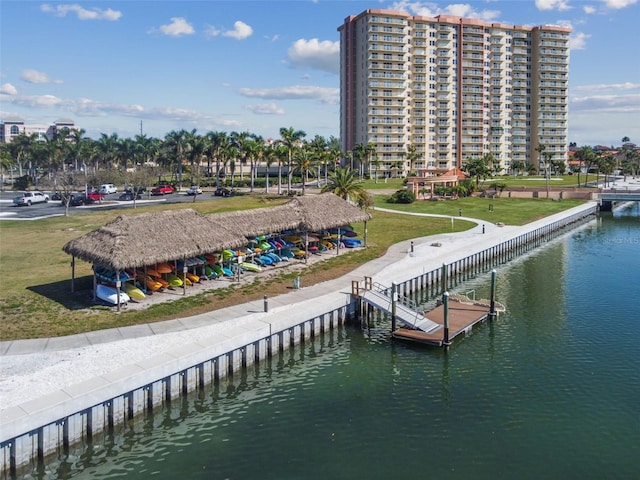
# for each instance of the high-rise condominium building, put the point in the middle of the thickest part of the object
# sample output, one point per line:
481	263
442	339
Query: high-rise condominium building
426	94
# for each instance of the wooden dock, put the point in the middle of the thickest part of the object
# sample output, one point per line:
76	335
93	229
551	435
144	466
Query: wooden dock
462	318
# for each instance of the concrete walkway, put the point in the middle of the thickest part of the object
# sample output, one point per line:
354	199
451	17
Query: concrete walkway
35	374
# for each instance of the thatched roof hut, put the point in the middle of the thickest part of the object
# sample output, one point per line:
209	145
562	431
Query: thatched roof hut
326	211
148	238
252	223
308	213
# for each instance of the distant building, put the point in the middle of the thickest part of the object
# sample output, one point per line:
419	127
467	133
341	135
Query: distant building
451	88
9	129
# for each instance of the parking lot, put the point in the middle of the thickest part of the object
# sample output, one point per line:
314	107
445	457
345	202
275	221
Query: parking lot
9	211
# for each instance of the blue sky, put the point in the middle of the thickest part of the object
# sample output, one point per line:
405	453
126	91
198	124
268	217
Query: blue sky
114	67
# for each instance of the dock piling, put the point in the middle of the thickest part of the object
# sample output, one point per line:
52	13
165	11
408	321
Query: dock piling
394	299
445	301
492	305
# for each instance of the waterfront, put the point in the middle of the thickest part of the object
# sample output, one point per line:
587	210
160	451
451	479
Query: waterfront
550	389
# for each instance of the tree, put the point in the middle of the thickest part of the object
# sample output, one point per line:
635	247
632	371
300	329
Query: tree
291	139
587	156
177	146
216	143
345	183
540	149
412	155
517	166
477	168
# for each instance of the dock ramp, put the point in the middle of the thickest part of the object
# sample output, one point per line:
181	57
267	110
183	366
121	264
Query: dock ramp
379	297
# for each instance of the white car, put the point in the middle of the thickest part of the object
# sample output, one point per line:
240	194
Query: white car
29	198
194	190
107	189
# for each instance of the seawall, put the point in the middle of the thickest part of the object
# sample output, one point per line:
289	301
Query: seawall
185	355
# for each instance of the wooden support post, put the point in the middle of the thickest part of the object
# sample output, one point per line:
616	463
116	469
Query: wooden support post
492	307
445	301
394	299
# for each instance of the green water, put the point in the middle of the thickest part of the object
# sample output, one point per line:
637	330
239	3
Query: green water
549	390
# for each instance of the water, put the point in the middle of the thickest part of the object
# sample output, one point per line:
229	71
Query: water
549	390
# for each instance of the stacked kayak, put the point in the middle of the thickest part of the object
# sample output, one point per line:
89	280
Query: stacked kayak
110	295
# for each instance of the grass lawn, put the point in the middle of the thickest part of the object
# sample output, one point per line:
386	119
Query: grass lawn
510	211
36	301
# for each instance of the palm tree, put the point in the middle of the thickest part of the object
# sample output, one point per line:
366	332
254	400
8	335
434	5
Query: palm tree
344	182
291	138
412	155
478	168
359	153
217	142
540	149
177	144
587	156
253	150
197	149
238	139
304	162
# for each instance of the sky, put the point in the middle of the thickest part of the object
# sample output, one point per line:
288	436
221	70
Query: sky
131	67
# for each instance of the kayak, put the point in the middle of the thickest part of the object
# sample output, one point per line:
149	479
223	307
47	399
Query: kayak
174	281
251	267
151	283
110	295
164	268
194	278
134	292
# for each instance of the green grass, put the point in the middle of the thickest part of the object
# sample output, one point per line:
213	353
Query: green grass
510	211
36	301
537	181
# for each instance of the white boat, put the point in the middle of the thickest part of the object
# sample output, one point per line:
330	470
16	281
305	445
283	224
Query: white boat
110	295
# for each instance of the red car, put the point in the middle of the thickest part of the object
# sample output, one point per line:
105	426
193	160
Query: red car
95	196
162	190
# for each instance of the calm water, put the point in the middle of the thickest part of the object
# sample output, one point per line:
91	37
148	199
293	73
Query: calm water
549	390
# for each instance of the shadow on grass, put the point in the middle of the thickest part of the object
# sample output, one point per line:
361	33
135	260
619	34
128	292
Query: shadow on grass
60	292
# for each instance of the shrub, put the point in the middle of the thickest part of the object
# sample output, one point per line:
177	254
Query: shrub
402	196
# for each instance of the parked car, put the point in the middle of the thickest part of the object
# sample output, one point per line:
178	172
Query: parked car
128	196
95	196
29	198
108	188
222	192
135	188
194	190
76	200
163	189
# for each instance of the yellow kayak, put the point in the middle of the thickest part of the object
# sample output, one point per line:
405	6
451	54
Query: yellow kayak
134	292
174	281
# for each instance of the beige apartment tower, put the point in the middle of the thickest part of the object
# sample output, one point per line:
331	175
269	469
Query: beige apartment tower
426	94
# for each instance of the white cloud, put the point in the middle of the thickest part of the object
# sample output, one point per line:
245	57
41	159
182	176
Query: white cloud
33	76
314	54
629	103
178	27
618	4
8	89
265	109
608	87
432	9
295	92
560	5
81	12
578	41
588	9
240	31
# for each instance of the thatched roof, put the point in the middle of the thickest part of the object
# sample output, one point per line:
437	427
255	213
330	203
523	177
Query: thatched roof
259	221
148	238
310	212
325	211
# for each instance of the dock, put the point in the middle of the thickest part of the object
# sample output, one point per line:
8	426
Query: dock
462	318
437	327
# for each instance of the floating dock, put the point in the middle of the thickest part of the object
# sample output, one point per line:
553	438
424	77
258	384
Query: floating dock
462	318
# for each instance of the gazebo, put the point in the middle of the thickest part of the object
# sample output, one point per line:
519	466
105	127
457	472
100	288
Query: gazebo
450	178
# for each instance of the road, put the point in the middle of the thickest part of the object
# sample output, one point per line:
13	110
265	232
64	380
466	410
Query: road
8	211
